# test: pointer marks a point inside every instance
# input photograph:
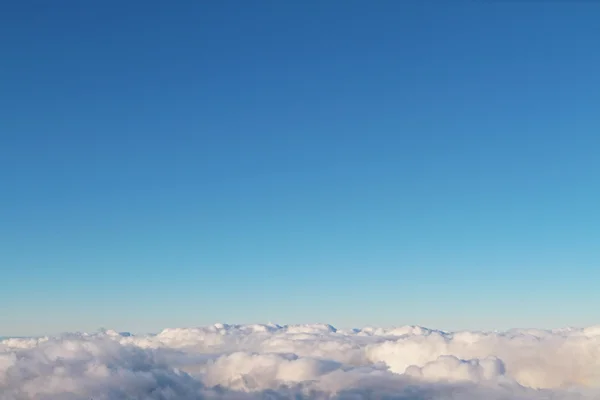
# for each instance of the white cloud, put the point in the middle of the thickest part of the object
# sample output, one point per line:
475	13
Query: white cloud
314	361
453	369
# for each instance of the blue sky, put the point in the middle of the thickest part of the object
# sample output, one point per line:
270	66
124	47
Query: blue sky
350	162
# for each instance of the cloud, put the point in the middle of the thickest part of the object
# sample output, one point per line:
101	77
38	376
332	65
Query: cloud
453	369
90	367
303	361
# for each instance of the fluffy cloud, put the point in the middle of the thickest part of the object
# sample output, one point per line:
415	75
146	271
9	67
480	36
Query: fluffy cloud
450	368
304	361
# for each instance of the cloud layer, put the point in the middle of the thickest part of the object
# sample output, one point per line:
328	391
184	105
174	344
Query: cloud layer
304	361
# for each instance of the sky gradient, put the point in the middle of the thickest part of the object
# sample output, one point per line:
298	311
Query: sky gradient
349	162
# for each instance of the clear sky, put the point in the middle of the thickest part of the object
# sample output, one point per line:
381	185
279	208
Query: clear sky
350	162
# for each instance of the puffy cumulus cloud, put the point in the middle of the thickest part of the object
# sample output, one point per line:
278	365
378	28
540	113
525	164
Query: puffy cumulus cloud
84	367
254	372
304	361
534	358
454	369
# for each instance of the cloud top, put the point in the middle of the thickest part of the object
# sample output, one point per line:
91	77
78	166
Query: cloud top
303	361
